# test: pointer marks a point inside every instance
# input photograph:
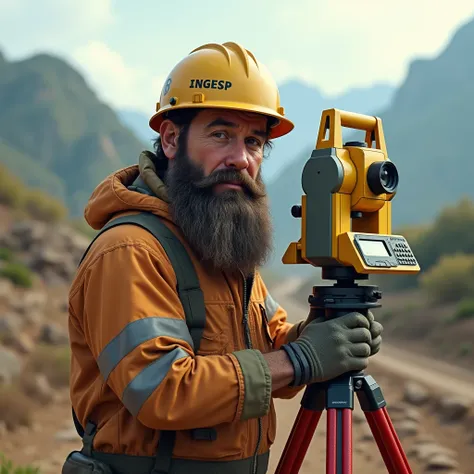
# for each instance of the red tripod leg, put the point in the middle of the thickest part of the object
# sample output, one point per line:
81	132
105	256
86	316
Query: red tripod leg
373	405
312	406
380	443
397	440
339	441
312	425
298	441
331	441
385	435
346	441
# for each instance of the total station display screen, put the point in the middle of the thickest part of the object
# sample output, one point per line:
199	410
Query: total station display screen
373	248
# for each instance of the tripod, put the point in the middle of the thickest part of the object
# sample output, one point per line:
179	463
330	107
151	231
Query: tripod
337	395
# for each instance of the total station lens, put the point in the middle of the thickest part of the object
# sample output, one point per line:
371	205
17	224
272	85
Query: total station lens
382	177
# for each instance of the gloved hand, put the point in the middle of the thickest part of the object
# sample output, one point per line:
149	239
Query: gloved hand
375	328
326	349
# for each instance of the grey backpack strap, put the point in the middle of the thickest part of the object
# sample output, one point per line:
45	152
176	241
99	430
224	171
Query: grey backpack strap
191	297
188	287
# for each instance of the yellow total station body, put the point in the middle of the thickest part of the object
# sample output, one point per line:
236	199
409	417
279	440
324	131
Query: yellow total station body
346	208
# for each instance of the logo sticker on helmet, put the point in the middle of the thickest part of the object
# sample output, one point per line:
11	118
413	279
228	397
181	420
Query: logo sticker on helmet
210	84
166	89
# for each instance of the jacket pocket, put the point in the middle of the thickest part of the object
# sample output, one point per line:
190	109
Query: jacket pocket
213	343
216	337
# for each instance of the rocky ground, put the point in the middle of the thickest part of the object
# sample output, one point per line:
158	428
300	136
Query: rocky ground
431	403
34	344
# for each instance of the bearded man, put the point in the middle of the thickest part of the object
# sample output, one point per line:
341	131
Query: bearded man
149	395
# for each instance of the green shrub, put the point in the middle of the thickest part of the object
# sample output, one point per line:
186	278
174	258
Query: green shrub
6	467
18	274
465	349
450	280
39	205
29	202
11	189
450	234
464	310
6	255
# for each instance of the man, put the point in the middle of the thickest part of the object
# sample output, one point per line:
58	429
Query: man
135	374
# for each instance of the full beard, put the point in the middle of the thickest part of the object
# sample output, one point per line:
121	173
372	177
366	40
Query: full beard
230	231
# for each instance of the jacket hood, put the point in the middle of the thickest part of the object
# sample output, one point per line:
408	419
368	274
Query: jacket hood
112	197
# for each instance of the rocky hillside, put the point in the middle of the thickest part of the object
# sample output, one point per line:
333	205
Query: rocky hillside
37	263
54	131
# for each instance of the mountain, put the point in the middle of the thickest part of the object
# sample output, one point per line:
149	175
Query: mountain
137	122
56	133
428	128
303	105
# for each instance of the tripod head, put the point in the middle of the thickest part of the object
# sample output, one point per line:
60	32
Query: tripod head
346	209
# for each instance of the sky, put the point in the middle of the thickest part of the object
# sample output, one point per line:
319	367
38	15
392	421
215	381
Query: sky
125	48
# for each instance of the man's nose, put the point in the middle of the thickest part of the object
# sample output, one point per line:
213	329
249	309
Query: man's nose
238	157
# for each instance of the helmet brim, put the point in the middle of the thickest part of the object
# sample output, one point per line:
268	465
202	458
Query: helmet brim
282	126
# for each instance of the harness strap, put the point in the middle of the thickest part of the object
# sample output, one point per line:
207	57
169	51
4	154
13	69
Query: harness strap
192	299
88	438
188	287
164	453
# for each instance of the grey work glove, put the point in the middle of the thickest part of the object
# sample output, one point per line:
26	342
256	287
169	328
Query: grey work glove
375	329
326	349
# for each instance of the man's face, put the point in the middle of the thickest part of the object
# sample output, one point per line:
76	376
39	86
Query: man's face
220	140
216	191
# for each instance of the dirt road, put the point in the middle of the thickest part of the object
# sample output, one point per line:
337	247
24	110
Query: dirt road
391	368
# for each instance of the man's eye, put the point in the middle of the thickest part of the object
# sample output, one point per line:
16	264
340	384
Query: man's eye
219	134
254	142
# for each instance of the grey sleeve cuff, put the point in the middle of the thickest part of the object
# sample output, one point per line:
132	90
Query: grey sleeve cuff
257	383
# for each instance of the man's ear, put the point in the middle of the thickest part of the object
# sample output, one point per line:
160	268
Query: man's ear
169	133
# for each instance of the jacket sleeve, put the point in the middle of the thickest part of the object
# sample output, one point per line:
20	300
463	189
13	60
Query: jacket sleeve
135	326
281	331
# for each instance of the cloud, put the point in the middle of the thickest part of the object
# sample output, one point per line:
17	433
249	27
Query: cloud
357	43
117	83
107	72
51	25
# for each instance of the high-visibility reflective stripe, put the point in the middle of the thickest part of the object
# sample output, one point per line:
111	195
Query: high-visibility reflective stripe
271	306
142	386
137	332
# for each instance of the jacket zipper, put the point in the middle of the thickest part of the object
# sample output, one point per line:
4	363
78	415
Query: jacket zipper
248	341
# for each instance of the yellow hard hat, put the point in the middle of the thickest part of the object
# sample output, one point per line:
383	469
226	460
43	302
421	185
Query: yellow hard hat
222	76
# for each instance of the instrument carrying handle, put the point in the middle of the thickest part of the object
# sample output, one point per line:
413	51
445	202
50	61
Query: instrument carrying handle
332	121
